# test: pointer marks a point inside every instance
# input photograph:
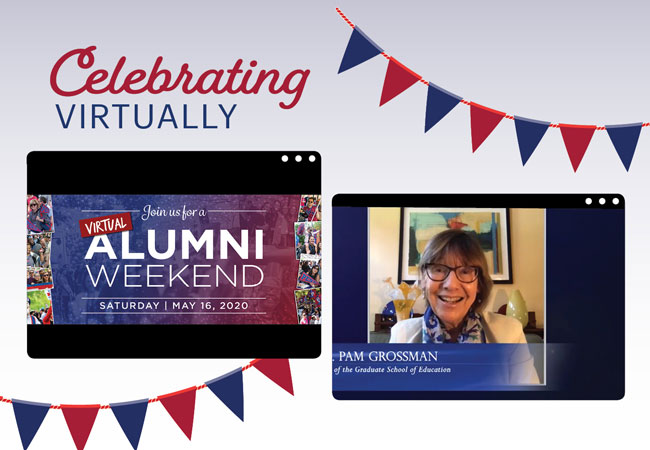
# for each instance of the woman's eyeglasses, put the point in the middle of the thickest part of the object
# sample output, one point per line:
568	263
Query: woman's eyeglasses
440	272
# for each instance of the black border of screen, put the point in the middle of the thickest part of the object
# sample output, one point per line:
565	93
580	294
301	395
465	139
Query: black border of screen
173	172
484	200
491	200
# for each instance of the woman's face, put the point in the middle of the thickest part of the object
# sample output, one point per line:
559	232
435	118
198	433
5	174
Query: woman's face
451	299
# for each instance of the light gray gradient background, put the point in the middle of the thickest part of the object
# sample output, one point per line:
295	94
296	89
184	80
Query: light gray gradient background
574	62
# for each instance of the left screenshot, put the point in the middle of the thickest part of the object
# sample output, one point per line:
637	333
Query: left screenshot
173	254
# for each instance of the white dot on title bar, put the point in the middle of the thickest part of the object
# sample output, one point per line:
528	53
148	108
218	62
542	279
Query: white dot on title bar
312	158
588	200
615	201
601	201
285	158
298	158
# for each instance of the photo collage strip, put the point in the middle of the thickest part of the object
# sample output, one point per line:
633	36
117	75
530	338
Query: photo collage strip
40	230
308	245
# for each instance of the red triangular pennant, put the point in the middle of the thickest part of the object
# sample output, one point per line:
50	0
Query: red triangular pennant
278	371
398	79
482	121
180	406
576	140
80	420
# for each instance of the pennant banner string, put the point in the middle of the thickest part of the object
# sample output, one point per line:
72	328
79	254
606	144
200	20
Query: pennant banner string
464	101
131	415
153	400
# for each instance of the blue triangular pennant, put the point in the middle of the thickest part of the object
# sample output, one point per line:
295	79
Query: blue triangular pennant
230	390
439	103
625	137
529	133
29	417
130	416
360	49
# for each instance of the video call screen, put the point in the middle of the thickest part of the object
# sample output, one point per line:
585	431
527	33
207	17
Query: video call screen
165	254
481	296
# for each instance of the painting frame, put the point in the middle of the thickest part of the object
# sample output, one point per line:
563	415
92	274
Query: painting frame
504	276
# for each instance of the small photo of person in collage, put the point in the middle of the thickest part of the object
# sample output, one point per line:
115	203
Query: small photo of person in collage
308	306
309	272
39	279
38	250
40	225
308	240
39	307
310	209
308	248
39	214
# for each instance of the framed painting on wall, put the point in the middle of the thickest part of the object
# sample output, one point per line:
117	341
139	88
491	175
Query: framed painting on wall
491	226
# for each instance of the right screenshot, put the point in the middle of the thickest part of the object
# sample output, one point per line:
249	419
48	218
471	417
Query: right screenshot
486	296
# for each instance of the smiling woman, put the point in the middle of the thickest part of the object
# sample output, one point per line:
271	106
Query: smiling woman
453	274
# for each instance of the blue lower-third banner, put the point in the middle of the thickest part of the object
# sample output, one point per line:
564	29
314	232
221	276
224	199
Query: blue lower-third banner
408	367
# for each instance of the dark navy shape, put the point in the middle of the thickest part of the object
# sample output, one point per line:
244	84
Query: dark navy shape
625	137
360	49
29	417
529	133
130	416
230	390
439	103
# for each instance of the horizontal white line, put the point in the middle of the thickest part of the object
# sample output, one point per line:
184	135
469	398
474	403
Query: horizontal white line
173	298
171	312
111	210
237	210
